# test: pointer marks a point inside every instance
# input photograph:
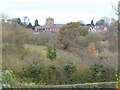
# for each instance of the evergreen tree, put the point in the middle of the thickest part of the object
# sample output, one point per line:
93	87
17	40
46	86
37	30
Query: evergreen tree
92	23
29	26
97	73
18	20
36	24
51	52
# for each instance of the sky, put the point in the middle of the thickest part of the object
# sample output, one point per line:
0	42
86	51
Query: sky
63	11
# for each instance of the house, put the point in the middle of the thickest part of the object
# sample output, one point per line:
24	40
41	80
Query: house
96	28
46	28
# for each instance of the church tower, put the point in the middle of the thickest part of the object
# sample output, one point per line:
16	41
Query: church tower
49	21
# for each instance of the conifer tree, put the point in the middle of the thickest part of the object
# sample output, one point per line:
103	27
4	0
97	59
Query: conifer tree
51	52
36	24
92	23
29	26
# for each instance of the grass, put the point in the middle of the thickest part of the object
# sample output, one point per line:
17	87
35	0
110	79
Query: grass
41	49
63	57
60	53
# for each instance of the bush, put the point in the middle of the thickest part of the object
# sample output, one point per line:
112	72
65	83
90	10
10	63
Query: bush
51	52
34	71
108	60
69	70
118	81
13	40
52	75
7	78
43	38
97	73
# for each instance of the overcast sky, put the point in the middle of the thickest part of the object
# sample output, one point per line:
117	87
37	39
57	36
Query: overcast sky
63	11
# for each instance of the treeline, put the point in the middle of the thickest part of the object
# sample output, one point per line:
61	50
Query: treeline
24	24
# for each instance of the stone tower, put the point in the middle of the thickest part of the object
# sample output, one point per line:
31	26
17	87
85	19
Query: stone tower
49	21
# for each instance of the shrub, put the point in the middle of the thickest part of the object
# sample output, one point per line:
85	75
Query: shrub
34	70
7	78
97	73
118	81
51	75
109	60
51	52
69	70
43	38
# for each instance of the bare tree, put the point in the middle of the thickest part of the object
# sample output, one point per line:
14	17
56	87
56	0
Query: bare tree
115	6
107	20
119	12
81	22
4	16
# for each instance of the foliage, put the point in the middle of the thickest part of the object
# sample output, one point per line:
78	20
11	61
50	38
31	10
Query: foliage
108	60
80	77
91	48
69	33
30	85
36	24
7	78
51	52
30	26
73	28
92	23
118	81
97	73
71	65
52	75
18	20
13	38
34	70
41	38
69	70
